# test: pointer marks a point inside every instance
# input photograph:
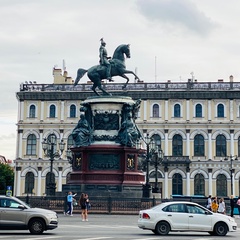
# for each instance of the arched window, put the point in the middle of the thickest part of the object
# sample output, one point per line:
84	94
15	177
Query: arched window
31	145
32	111
177	184
155	112
52	111
29	183
221	146
50	178
220	110
70	141
199	184
198	110
157	139
177	110
199	145
221	184
177	145
72	111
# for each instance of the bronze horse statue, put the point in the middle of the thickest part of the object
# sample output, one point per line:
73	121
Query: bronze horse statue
118	68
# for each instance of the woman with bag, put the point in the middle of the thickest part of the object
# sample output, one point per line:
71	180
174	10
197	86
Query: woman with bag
83	205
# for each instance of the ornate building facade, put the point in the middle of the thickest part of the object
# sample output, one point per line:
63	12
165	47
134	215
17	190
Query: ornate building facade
196	123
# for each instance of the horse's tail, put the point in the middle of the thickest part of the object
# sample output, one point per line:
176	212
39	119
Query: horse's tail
80	74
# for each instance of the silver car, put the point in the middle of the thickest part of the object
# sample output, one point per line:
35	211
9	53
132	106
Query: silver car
17	215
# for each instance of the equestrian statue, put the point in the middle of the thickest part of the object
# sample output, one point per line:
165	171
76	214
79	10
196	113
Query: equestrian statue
108	67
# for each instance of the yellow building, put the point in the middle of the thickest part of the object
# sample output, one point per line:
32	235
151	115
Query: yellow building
197	124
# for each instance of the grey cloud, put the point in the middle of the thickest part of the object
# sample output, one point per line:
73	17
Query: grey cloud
183	12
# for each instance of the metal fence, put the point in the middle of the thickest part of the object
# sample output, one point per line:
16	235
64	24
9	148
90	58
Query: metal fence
106	205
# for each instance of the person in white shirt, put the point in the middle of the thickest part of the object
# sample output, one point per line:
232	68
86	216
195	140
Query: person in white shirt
221	206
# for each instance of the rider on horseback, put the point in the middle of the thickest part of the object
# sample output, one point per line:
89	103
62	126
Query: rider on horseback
104	59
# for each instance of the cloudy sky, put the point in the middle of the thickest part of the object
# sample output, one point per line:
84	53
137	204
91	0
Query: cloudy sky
170	39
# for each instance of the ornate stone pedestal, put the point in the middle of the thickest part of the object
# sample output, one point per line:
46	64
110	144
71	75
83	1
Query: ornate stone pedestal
108	163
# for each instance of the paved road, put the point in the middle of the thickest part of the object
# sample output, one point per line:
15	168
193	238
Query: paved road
106	227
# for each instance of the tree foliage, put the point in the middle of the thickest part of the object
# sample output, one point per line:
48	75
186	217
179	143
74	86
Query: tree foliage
6	177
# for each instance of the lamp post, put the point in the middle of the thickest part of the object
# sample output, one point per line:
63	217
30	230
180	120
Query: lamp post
48	146
231	158
151	149
158	157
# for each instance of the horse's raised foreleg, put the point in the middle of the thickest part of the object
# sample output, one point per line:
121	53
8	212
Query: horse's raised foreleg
131	72
124	76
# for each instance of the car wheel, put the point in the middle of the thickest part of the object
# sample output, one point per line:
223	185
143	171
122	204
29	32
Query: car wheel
36	226
220	229
162	228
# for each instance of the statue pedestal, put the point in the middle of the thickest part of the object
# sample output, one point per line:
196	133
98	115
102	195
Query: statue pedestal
106	165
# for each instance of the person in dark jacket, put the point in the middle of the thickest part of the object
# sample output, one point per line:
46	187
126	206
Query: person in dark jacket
232	203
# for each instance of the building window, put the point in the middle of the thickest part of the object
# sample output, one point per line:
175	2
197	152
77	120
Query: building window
29	183
199	145
72	111
221	184
155	112
177	110
157	139
177	184
221	146
199	184
177	145
32	111
70	142
198	110
220	110
52	111
31	145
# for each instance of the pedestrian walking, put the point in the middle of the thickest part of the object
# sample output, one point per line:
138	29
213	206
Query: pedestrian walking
70	203
222	206
209	202
232	204
84	204
215	205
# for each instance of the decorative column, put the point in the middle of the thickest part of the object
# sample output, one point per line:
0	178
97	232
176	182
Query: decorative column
210	181
166	142
187	110
42	111
18	182
209	111
40	144
166	110
59	187
188	142
19	149
232	143
165	183
209	143
145	110
62	110
231	110
39	186
188	181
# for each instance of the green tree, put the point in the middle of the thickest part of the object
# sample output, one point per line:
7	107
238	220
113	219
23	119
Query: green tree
6	177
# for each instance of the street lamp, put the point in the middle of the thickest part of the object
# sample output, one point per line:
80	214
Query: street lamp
231	158
48	146
151	149
157	160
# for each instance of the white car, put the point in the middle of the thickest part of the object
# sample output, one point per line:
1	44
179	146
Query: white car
17	215
185	216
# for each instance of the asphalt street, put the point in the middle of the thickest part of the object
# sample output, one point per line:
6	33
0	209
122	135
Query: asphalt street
100	227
